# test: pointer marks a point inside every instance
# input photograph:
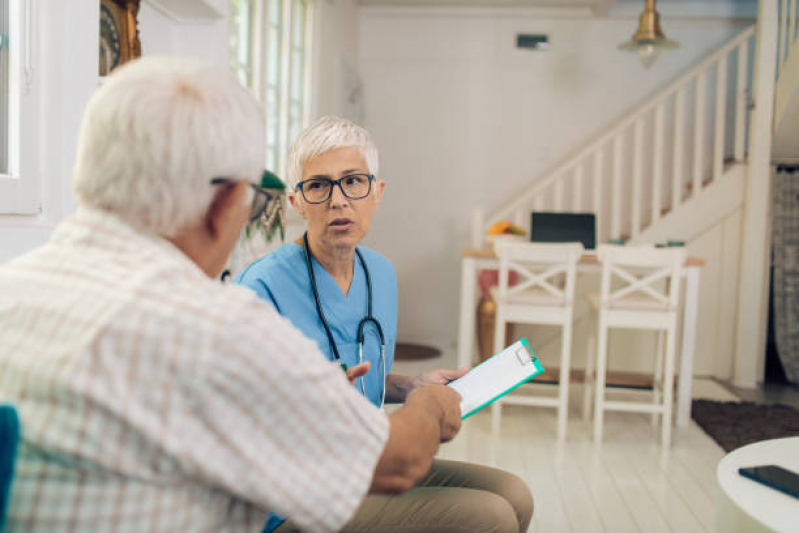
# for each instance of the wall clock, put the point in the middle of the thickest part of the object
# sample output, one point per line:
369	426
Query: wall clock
119	33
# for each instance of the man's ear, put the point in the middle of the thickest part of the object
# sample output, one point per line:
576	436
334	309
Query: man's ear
296	203
229	211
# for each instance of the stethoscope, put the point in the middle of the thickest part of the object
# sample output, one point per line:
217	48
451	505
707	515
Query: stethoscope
369	318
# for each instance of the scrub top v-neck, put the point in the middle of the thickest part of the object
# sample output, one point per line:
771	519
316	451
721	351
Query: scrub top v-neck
281	277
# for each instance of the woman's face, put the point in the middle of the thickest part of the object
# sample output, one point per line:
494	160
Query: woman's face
340	222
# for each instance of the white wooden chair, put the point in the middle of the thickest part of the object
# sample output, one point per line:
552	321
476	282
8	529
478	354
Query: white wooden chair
640	290
543	294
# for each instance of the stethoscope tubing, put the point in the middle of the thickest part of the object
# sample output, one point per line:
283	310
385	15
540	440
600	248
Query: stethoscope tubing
369	318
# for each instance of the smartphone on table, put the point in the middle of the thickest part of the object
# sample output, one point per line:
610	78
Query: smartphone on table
775	477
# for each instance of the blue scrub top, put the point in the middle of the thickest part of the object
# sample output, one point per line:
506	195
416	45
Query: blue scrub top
281	277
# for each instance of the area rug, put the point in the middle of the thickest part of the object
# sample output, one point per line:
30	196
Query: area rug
736	424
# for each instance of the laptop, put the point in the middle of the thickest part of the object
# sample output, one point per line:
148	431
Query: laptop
564	227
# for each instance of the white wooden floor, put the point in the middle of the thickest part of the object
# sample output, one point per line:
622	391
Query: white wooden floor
626	484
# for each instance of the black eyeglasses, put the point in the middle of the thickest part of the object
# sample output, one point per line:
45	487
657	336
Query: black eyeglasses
260	199
319	190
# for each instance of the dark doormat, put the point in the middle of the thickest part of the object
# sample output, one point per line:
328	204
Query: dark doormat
404	351
736	424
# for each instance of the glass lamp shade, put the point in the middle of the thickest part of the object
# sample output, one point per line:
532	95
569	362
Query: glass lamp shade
648	50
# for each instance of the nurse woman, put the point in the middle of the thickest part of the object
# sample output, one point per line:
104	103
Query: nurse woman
344	296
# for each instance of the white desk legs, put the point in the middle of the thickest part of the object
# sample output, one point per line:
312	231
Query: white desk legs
688	346
466	328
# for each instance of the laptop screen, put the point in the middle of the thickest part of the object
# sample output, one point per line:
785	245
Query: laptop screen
564	227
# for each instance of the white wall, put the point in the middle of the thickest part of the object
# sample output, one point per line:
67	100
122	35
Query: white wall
66	65
464	119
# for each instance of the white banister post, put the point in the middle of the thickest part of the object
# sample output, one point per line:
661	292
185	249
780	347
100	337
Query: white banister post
615	207
577	198
478	220
782	29
560	192
719	138
638	142
521	218
699	133
677	173
657	170
598	193
740	105
756	244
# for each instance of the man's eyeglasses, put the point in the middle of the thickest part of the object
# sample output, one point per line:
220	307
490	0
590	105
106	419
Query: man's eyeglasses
260	199
319	190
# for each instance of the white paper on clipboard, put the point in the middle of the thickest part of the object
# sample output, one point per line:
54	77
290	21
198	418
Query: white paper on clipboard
496	377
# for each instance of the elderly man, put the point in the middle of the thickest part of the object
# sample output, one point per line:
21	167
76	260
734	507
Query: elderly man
150	394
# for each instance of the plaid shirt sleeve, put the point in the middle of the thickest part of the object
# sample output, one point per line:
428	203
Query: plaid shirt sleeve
280	426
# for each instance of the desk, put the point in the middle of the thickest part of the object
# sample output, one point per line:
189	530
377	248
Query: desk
474	259
746	505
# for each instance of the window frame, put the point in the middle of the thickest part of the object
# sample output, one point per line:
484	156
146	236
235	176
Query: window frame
270	23
20	186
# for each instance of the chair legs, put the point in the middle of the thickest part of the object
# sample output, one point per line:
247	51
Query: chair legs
496	418
663	393
588	379
563	384
599	400
657	384
668	383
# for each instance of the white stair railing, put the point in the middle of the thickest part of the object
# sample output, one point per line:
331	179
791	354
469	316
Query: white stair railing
788	32
653	159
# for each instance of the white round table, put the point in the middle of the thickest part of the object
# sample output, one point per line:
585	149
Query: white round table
743	504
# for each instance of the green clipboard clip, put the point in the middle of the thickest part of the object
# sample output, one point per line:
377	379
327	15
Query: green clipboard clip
497	376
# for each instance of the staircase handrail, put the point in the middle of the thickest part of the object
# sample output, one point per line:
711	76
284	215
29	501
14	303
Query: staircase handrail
626	121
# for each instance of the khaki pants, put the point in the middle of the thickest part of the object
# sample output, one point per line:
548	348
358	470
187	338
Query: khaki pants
453	497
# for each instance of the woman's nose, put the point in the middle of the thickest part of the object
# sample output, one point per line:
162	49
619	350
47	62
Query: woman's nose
337	196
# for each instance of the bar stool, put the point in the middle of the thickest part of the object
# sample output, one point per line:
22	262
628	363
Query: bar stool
640	290
543	294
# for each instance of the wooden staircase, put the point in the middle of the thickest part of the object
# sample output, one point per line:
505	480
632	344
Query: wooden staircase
656	162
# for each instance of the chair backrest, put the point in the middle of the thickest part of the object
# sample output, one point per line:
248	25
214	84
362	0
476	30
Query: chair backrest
538	266
641	272
9	437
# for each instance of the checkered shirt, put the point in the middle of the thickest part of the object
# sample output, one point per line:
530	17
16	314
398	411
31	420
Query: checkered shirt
153	398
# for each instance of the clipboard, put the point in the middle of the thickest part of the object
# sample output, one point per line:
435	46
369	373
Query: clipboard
496	376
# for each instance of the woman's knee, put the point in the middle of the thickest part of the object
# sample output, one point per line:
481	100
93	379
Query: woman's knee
494	514
516	492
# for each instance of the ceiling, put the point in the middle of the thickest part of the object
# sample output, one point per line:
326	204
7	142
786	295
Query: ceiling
604	4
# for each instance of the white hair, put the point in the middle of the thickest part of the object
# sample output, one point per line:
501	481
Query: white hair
157	132
328	133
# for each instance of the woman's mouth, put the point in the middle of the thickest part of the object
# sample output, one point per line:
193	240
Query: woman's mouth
341	224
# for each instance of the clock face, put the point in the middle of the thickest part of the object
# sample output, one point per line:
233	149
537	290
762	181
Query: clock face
109	41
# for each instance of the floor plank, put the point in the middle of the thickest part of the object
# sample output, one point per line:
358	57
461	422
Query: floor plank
625	484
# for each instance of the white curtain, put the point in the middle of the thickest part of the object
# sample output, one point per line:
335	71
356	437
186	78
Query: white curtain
786	268
4	82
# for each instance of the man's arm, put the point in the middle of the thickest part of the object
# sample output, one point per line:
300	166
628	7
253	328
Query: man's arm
431	415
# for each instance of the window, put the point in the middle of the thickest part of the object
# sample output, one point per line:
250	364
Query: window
271	54
19	182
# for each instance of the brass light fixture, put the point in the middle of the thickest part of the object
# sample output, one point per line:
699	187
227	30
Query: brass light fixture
649	40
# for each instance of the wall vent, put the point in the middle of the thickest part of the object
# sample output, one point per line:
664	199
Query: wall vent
532	41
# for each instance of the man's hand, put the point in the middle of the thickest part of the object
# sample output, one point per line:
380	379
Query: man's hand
445	402
358	371
441	376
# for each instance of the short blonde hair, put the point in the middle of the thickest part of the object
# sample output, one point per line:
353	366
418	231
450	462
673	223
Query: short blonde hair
328	133
157	132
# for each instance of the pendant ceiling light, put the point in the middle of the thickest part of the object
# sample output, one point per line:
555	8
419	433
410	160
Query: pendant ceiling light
649	39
